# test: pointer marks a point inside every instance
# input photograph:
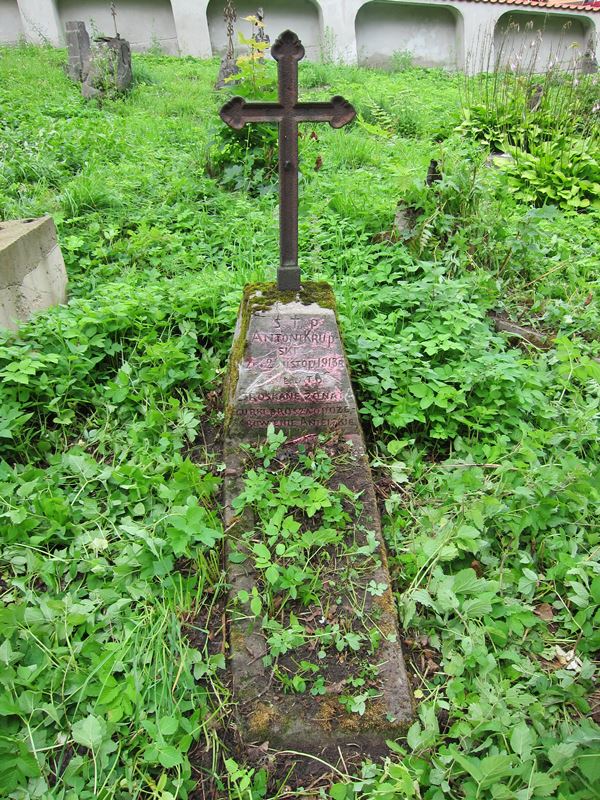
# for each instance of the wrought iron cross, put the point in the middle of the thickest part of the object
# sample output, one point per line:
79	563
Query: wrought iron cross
288	112
230	17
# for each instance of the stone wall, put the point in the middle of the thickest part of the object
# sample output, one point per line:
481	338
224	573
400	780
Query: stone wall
443	33
429	33
145	24
11	28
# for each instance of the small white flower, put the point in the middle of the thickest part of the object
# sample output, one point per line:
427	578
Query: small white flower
99	543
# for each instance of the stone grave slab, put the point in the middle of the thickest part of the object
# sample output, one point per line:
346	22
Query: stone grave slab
32	270
288	369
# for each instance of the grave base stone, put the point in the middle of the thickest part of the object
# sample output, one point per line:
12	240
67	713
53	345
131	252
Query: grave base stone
227	70
32	270
288	369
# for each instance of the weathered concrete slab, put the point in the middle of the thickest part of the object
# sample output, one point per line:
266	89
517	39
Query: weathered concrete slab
288	369
32	270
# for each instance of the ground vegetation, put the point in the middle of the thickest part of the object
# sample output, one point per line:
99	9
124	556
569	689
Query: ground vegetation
485	448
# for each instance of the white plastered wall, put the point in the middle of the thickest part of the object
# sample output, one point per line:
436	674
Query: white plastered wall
40	21
11	28
302	16
187	26
536	41
429	33
144	23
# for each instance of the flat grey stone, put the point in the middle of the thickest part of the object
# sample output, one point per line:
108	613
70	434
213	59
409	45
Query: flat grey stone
32	270
288	369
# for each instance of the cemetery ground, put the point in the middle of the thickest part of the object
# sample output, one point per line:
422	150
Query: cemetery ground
484	444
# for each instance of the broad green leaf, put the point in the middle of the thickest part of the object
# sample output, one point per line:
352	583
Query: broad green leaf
89	732
339	791
522	739
169	756
168	725
465	581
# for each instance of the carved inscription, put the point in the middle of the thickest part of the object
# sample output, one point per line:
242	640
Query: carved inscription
294	375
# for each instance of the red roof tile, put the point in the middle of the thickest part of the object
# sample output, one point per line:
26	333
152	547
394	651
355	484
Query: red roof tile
561	5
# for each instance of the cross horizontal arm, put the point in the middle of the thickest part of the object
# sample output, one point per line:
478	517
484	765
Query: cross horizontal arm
237	112
337	112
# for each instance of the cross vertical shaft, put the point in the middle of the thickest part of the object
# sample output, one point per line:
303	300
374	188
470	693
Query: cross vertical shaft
288	276
287	113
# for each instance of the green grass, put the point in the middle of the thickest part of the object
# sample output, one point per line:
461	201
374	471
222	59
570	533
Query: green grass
113	678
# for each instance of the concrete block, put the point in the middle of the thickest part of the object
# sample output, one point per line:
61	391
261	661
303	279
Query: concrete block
32	270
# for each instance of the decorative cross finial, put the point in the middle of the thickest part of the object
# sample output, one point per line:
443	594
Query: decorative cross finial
288	112
113	12
230	16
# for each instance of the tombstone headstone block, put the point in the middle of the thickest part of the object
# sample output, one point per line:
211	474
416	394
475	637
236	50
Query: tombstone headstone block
288	369
78	48
288	366
109	67
32	270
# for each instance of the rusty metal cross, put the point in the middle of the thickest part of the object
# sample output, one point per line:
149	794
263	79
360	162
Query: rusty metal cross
288	112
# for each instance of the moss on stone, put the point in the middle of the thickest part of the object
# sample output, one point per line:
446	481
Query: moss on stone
261	720
263	296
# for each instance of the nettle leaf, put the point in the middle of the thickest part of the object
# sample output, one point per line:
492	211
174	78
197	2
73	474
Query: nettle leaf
486	771
423	597
478	606
179	540
561	754
466	582
522	739
544	784
89	732
494	768
196	525
468	538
